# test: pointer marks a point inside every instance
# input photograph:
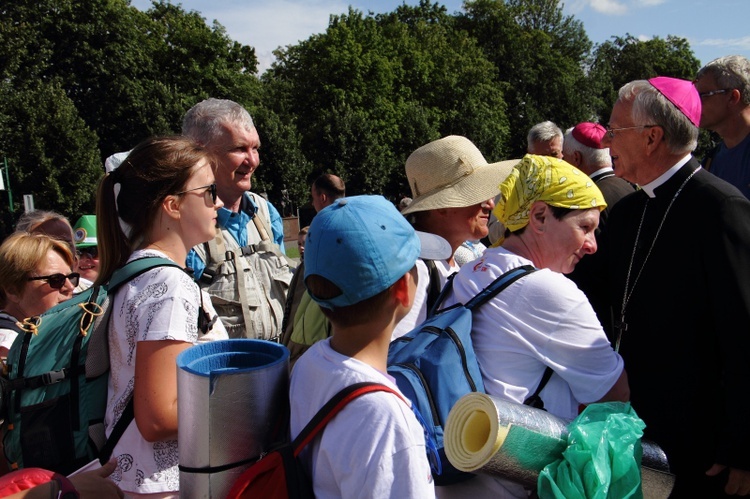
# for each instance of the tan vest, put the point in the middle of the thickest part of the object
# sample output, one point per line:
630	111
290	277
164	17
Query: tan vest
250	302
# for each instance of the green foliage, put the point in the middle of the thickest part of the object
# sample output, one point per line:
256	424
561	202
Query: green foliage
371	89
625	59
83	79
51	152
539	55
108	76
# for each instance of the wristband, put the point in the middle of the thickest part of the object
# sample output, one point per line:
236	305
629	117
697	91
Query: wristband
65	488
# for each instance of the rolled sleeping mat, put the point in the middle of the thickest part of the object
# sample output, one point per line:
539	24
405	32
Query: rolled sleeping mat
488	435
233	399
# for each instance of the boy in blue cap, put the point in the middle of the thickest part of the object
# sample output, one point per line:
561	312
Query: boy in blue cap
360	261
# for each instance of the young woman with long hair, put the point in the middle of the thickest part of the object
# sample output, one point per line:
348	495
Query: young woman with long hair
161	201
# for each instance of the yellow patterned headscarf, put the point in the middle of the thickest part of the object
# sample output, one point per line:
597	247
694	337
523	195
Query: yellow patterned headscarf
548	179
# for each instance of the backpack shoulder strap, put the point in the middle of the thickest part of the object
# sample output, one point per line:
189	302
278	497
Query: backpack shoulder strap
434	287
498	285
262	217
432	310
122	424
534	400
260	224
122	275
135	268
333	407
8	323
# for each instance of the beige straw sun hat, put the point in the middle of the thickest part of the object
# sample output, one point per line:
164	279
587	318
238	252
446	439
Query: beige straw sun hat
452	173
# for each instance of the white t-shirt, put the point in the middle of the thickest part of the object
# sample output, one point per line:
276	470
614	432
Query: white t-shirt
160	304
418	312
7	336
541	320
374	447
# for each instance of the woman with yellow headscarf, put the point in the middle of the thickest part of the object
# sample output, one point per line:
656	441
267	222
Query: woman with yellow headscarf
550	210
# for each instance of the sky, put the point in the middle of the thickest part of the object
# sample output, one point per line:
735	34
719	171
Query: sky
714	28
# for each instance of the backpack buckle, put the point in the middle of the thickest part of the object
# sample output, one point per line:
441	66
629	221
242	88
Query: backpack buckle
248	250
53	377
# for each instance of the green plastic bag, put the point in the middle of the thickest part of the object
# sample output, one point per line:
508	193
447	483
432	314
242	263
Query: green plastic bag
603	457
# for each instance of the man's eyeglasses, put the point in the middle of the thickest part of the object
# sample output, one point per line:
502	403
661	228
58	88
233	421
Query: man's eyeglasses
91	252
611	131
209	188
714	92
57	281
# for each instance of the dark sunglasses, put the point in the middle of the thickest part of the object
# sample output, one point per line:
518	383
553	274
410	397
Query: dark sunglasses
209	188
57	281
91	251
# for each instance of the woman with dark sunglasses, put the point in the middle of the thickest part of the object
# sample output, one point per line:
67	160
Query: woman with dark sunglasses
36	273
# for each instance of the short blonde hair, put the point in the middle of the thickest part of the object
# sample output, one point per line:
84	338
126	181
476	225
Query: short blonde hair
20	255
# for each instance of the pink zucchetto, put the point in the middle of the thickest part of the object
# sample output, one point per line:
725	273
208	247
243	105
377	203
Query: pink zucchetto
589	134
681	93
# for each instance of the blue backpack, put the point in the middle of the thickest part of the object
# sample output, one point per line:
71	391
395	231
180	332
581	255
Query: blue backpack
56	392
434	365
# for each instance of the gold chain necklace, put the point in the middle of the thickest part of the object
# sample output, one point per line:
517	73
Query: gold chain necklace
622	326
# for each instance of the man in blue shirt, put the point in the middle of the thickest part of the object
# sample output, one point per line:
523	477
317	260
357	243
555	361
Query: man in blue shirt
724	87
244	268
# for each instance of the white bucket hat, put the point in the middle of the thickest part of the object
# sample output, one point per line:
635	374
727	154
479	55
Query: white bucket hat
452	173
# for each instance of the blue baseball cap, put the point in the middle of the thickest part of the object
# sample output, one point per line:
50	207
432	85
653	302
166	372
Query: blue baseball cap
363	245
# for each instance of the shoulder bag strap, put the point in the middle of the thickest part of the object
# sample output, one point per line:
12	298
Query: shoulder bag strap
333	407
491	291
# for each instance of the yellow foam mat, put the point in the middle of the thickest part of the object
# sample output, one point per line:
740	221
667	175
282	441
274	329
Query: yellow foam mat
493	436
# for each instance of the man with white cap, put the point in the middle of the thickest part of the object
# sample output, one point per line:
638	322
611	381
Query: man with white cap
452	188
681	298
582	148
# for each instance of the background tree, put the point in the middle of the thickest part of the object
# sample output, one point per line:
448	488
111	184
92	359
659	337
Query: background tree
52	156
539	55
83	79
113	76
371	89
623	59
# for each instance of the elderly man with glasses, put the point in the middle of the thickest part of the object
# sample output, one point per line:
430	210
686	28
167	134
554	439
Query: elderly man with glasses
676	258
724	87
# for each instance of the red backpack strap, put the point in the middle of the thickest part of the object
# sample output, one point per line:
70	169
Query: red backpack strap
333	406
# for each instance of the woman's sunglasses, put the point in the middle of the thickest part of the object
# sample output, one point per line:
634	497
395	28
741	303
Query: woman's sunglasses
209	188
57	281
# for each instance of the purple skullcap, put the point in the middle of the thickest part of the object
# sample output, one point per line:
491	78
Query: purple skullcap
589	134
681	93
